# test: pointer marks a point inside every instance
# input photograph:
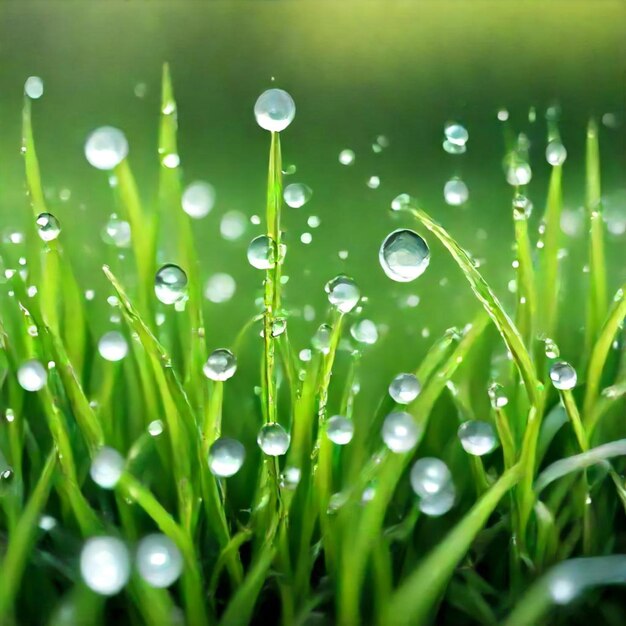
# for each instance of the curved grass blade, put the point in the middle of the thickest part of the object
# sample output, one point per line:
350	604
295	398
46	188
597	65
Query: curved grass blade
526	300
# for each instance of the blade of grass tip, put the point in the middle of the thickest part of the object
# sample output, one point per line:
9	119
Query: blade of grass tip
21	540
600	352
412	602
193	589
597	302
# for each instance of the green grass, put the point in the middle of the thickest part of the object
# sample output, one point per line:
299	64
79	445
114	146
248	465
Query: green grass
256	548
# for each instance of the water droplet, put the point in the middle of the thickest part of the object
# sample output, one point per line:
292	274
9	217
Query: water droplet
340	430
313	221
278	326
404	255
439	503
563	375
429	476
456	138
404	388
400	202
105	565
220	288
198	199
6	475
226	457
477	437
48	227
106	147
33	87
290	478
518	173
346	157
552	350
170	285
503	115
117	232
274	110
373	182
107	467
306	238
455	192
233	225
297	195
321	340
343	293
159	561
221	365
47	523
32	375
364	331
262	252
556	153
112	346
497	397
400	432
155	428
170	160
273	439
140	90
562	589
522	207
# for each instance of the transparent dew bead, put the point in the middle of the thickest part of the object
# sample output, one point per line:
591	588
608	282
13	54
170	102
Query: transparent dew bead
33	87
198	199
429	476
113	346
364	331
497	396
105	565
278	326
556	153
262	252
170	284
456	134
117	232
477	437
401	201
518	173
290	478
551	349
107	467
274	110
226	456
297	195
522	207
439	503
400	432
563	376
404	388
404	255
343	293
221	365
321	340
340	429
32	375
159	560
273	439
220	288
106	147
455	192
346	157
48	226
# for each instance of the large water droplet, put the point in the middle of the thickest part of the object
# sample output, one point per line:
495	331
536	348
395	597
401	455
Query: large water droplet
48	227
429	476
455	192
106	147
221	365
159	561
400	432
262	252
273	439
33	87
32	375
198	199
477	437
343	293
297	195
556	153
404	388
226	457
340	430
112	346
274	110
105	565
563	375
170	285
107	467
220	288
439	503
364	331
404	255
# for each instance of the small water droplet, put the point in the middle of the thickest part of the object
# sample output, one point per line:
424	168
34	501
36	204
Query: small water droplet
220	288
155	428
306	238
105	565
226	456
170	160
404	388
273	439
364	331
32	375
321	340
456	137
297	195
346	157
401	201
522	207
373	182
455	192
107	467
233	225
112	346
343	293
274	110
262	252
106	147
33	87
313	221
497	396
48	227
221	365
503	115
563	375
278	326
159	561
117	232
404	255
552	350
340	430
477	437
556	153
198	199
400	432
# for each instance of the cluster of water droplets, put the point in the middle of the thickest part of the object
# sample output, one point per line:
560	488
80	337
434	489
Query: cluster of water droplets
432	482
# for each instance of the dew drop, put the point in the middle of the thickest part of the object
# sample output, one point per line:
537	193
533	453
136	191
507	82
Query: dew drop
262	252
48	227
364	331
346	157
552	350
32	375
105	565
297	195
274	110
404	255
522	207
497	397
373	182
290	478
456	136
155	428
117	232
518	173
233	225
455	192
226	457
340	430
440	503
221	365
400	432
171	160
112	346
106	147
429	476
321	340
556	153
343	293
477	437
159	561
273	439
170	285
563	375
278	326
220	288
404	388
401	201
33	87
107	467
198	199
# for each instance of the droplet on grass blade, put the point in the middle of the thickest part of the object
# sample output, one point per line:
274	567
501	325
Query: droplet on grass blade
497	396
226	456
274	110
563	376
290	478
340	430
429	476
105	565
33	87
321	340
32	375
404	388
106	147
262	252
297	195
518	173
113	346
552	350
48	226
522	207
455	192
404	255
198	199
400	432
477	437
170	285
221	365
273	439
107	467
343	293
556	153
159	561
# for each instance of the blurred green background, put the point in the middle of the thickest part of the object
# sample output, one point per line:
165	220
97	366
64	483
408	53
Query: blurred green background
356	70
